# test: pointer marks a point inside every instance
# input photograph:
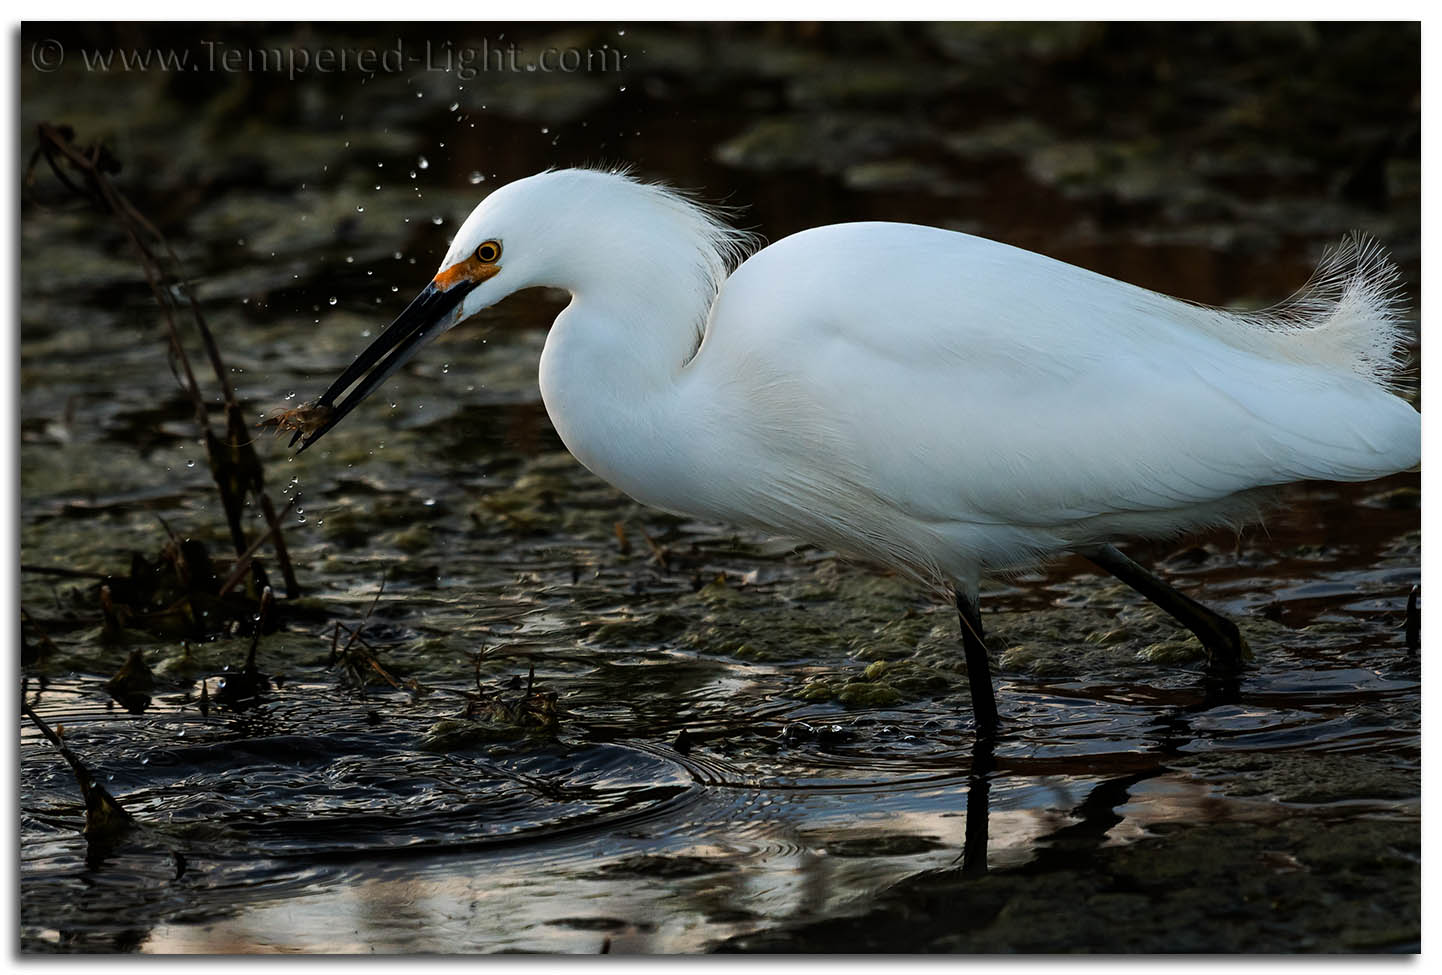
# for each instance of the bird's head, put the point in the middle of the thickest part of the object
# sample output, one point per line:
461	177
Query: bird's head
576	229
500	249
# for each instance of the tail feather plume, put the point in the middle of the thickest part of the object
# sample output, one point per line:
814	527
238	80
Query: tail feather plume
1351	315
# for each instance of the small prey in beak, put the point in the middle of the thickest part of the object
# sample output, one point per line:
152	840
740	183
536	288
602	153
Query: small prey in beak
423	319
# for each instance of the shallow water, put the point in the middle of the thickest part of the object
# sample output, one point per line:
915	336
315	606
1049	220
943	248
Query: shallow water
757	747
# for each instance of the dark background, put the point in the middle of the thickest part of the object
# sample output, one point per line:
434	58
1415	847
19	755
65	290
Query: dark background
1209	160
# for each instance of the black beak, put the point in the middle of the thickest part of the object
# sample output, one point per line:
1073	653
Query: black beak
420	322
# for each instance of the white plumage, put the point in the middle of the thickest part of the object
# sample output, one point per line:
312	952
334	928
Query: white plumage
929	399
934	400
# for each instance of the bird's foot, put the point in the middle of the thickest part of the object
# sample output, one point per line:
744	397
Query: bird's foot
1227	649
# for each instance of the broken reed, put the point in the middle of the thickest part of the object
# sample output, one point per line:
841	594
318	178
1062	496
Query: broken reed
233	462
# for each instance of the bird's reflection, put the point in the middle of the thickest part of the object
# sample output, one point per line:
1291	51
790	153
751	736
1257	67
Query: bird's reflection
1095	814
978	797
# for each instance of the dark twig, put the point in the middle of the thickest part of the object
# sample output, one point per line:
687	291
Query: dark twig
244	687
657	552
243	562
233	462
267	603
355	634
104	817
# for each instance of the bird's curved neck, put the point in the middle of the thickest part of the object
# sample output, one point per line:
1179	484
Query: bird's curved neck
611	378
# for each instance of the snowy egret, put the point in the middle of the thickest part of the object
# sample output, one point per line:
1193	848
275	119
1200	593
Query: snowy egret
934	401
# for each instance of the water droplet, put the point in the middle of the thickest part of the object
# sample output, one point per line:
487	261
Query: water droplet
430	502
334	300
438	220
423	163
455	105
475	178
545	130
360	209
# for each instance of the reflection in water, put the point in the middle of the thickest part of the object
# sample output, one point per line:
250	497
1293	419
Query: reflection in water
656	850
562	848
552	900
978	798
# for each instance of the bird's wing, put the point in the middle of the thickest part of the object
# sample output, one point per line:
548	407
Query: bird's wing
959	379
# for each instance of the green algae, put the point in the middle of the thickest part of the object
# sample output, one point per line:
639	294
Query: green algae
868	694
908	677
882	684
456	734
491	718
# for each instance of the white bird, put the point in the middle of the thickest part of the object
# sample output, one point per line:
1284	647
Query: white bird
931	400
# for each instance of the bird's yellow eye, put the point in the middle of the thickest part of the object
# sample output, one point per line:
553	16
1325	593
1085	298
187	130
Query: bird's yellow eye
488	252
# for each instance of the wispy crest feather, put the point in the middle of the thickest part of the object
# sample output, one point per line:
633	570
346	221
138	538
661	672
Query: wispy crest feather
720	247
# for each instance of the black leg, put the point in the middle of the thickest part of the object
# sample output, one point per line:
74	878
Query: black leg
978	668
978	793
1219	635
